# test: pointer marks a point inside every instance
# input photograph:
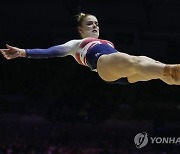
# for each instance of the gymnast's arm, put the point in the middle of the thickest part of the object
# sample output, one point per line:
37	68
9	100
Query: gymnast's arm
54	51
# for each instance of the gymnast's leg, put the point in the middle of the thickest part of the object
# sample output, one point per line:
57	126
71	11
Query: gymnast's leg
136	77
136	68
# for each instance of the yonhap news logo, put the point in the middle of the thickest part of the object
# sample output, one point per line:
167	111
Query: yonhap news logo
142	139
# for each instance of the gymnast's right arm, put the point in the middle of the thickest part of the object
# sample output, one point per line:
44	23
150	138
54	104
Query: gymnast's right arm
54	51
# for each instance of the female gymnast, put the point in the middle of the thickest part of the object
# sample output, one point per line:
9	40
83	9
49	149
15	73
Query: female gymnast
101	56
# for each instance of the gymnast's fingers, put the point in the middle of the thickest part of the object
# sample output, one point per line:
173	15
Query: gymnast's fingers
10	56
4	50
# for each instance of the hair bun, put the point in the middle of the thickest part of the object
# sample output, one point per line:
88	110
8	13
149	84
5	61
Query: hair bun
80	16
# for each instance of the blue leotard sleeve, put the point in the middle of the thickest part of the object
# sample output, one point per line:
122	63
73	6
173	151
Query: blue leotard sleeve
54	51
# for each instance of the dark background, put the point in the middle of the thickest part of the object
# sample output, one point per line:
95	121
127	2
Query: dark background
58	92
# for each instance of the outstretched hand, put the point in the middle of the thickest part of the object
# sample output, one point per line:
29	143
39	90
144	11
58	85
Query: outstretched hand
12	52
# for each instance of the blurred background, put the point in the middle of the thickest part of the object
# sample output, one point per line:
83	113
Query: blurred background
57	106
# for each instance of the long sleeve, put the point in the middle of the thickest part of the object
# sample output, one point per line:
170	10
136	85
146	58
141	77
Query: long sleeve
54	51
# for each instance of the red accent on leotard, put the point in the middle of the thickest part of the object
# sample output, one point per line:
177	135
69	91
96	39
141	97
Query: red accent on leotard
85	42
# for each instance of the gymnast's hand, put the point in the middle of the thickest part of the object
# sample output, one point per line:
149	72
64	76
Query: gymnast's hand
12	52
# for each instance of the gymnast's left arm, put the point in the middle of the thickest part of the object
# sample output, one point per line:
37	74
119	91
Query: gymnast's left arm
54	51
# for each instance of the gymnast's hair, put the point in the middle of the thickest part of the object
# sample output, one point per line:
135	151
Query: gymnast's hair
80	17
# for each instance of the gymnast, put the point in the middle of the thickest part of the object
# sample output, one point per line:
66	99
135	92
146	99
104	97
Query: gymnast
101	56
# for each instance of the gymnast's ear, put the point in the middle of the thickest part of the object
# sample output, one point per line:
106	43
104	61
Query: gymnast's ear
79	30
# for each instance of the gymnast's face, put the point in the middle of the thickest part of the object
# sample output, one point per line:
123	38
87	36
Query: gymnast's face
89	27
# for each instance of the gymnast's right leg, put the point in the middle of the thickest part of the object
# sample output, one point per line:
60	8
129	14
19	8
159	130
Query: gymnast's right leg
117	65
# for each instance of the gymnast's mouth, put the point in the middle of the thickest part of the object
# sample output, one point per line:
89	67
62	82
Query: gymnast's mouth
94	31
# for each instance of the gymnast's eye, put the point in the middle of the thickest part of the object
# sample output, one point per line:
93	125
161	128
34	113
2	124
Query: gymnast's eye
89	23
96	23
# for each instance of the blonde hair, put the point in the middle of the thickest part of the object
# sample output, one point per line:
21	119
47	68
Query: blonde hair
80	17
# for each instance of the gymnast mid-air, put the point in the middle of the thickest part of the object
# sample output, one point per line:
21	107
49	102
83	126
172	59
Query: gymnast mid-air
101	56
